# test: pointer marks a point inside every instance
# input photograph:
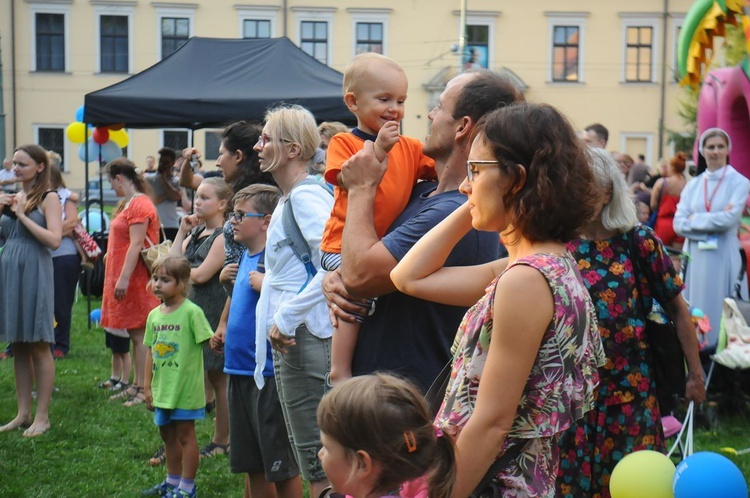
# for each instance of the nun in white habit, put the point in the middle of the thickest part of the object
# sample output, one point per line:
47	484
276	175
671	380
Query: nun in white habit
708	216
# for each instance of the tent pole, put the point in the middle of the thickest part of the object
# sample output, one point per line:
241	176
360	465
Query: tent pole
192	192
86	188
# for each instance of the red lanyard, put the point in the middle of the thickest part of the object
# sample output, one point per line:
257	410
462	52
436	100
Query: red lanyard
709	200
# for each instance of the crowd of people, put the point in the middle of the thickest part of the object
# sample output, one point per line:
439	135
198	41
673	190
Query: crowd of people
313	309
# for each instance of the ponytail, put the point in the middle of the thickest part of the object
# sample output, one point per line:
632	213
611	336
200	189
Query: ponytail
442	473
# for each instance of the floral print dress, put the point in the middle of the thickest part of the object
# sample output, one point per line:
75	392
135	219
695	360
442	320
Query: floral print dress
626	417
559	390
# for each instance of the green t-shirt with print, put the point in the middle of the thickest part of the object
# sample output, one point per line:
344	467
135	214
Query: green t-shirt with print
175	340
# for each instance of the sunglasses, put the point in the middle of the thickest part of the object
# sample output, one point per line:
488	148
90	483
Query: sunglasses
470	165
238	216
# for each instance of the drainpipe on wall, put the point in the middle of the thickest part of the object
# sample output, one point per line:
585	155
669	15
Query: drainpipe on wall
462	36
283	15
2	112
663	92
13	70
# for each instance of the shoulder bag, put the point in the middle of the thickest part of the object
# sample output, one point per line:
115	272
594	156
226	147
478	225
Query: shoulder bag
153	252
667	358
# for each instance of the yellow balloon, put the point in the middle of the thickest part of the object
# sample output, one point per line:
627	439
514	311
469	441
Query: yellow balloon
76	132
642	474
120	137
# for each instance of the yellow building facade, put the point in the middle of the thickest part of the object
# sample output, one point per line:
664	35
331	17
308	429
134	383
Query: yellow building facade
607	61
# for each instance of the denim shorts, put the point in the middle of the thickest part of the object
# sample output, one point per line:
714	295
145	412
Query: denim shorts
164	416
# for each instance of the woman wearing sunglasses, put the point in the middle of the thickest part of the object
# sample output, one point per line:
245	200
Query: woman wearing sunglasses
526	354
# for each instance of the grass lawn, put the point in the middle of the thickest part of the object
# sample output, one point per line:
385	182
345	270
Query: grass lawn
96	447
99	448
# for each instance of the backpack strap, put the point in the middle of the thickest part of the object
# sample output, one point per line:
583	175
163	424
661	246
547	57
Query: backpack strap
294	238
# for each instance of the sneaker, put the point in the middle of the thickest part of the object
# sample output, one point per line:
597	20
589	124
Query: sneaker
163	489
58	354
212	449
181	493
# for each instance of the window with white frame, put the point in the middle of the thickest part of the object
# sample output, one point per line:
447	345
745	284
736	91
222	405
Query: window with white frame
315	32
52	138
369	29
114	35
256	22
174	28
256	28
175	139
369	37
567	35
50	35
565	53
477	46
175	32
479	37
639	48
641	34
314	39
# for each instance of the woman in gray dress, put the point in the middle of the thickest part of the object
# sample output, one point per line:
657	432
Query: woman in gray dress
31	223
708	216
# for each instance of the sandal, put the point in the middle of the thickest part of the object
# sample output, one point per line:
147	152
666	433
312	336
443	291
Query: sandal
137	399
126	393
212	449
109	384
159	457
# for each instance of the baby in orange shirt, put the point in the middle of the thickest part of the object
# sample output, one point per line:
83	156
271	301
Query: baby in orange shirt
375	89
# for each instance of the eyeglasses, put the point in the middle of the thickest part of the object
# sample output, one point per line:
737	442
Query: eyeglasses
238	216
264	139
473	164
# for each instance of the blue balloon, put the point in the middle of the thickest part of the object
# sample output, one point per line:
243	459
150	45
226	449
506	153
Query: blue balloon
93	148
79	114
96	315
111	151
707	475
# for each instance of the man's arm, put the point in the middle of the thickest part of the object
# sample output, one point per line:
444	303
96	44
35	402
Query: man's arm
366	264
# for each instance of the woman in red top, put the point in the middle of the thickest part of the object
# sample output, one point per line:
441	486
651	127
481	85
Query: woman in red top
664	198
125	302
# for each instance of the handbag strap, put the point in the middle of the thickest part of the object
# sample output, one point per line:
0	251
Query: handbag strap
498	465
638	270
741	276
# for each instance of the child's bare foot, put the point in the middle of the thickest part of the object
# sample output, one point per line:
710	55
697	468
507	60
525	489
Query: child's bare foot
16	423
36	430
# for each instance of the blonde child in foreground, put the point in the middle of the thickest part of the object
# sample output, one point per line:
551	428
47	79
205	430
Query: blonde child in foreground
174	386
375	90
377	433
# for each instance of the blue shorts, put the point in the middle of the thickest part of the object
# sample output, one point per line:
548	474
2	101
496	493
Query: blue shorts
164	416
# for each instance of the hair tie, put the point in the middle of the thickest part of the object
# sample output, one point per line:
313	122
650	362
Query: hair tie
411	441
438	431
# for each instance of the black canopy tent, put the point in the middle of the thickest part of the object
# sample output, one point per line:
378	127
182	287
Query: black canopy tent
211	82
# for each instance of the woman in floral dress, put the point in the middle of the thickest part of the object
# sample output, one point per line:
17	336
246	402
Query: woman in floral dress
526	354
626	417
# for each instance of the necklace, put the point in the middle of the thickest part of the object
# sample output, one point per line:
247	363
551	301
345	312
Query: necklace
708	200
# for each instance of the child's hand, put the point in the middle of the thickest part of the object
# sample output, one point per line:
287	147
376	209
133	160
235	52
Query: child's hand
256	280
387	138
189	222
217	340
149	396
229	274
